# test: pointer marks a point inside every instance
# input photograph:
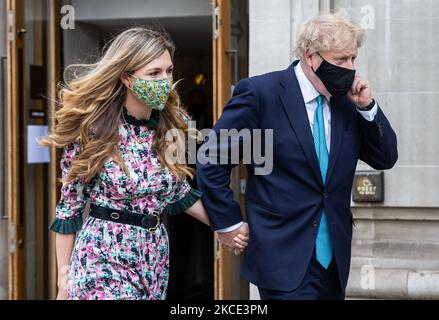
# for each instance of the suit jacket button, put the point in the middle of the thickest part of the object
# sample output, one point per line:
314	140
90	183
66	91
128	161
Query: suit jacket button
325	195
314	224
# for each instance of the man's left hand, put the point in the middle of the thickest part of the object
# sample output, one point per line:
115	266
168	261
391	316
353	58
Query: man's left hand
360	93
236	240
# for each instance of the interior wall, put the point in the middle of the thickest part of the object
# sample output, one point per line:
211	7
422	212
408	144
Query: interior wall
31	46
82	44
187	68
94	10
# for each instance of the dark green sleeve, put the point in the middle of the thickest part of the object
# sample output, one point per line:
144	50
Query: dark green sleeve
185	201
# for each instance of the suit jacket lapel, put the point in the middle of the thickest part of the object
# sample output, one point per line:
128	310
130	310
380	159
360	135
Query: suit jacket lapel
336	136
292	101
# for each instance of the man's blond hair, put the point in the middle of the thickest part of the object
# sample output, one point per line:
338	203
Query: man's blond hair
328	32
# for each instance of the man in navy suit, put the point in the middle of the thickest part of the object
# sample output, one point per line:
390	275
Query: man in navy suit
324	119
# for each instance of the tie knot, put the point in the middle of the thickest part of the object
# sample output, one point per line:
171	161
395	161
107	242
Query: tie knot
320	100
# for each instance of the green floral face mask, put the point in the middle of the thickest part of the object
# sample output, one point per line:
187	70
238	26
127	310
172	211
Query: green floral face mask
153	93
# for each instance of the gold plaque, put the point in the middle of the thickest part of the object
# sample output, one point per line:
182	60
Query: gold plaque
368	186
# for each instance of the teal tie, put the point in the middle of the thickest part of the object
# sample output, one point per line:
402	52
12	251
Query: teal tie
323	242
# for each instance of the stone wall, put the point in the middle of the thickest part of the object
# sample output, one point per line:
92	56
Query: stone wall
394	250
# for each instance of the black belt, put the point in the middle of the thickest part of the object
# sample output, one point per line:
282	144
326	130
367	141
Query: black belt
147	221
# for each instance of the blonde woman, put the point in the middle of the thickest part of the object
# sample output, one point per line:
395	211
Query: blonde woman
112	126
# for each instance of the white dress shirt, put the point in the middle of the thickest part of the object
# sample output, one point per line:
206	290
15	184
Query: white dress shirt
310	95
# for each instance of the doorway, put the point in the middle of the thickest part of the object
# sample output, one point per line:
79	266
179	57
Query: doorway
230	56
27	170
34	62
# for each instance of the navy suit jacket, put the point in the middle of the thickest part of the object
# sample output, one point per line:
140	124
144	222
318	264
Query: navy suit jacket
284	208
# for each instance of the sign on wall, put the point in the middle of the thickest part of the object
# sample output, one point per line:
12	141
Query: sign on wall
368	186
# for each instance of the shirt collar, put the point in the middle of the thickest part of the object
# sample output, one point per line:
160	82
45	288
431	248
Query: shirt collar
309	93
151	123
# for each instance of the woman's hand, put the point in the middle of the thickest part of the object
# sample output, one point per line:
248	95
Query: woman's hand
241	240
64	248
62	294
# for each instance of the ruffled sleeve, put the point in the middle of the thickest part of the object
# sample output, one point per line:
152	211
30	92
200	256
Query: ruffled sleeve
183	198
69	210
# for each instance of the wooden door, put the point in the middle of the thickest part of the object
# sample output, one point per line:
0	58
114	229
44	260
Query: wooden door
222	82
230	38
15	141
31	188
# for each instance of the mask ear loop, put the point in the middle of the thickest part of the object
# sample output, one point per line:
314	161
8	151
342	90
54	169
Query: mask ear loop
318	53
312	68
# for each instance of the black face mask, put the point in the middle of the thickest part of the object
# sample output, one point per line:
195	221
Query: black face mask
337	80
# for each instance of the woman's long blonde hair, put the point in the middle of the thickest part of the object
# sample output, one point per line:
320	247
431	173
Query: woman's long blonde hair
91	105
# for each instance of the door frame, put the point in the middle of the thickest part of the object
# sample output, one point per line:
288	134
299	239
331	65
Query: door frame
221	93
15	105
54	171
15	149
224	60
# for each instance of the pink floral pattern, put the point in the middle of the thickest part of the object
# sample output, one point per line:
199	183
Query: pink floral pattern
119	261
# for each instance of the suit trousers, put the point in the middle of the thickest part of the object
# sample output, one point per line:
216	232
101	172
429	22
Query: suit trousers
318	284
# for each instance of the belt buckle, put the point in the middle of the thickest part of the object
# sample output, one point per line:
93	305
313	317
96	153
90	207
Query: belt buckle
157	215
115	215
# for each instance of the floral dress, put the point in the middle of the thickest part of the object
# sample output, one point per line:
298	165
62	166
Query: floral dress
114	260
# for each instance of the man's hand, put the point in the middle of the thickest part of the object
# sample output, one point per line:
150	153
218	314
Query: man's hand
360	93
236	240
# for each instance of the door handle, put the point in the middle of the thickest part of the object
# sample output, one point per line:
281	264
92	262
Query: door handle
234	54
21	32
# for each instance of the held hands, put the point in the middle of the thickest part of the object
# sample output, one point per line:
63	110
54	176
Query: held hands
360	93
236	240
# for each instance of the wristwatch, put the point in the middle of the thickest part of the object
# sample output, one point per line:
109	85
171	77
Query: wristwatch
367	108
